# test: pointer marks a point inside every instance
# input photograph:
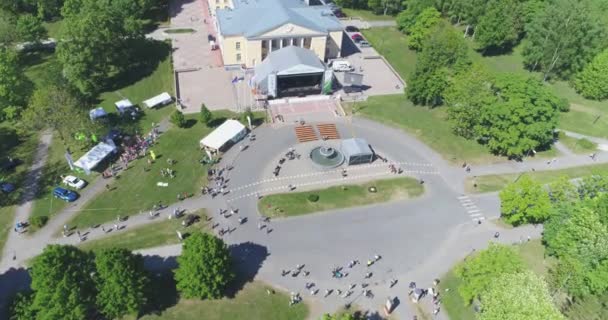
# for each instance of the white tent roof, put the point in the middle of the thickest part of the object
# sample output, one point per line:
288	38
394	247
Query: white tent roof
92	158
222	134
159	99
123	104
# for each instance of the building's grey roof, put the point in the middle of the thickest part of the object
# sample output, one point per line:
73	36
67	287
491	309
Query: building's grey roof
285	61
355	147
253	18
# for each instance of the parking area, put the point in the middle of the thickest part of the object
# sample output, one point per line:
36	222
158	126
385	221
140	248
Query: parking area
378	77
201	77
317	109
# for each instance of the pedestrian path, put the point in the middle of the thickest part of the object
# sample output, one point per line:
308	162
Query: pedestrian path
471	208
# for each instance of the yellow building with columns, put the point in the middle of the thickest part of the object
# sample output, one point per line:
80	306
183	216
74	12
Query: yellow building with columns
248	30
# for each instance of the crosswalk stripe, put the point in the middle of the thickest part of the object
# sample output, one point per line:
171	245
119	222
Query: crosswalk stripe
474	210
475	214
479	218
463	197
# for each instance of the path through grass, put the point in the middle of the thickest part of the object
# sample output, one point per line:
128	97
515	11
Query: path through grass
298	203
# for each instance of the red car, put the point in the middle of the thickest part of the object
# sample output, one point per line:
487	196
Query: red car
357	37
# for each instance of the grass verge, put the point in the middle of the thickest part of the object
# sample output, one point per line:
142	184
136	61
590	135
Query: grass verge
182	30
298	203
392	44
366	15
495	182
575	145
156	234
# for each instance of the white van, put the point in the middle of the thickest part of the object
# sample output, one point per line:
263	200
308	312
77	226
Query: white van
341	66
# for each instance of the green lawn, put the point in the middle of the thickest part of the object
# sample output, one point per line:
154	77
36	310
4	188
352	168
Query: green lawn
160	233
53	28
392	44
575	145
251	303
18	147
366	15
496	182
297	203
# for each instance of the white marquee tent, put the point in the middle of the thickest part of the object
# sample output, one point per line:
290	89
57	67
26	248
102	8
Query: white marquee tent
229	131
160	99
92	158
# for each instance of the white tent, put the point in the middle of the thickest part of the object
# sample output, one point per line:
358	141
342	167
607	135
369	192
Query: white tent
160	99
92	158
231	130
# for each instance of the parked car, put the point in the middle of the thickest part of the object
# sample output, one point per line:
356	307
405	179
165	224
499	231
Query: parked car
357	37
190	219
351	29
65	194
341	66
74	182
6	187
364	44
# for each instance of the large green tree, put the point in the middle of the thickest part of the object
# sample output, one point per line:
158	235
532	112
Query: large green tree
523	118
592	81
121	283
407	18
426	20
468	94
593	186
524	201
14	86
62	283
516	296
29	28
500	26
205	267
562	38
480	271
444	53
7	28
562	190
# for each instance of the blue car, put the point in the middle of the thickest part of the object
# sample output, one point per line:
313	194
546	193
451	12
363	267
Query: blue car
6	187
65	194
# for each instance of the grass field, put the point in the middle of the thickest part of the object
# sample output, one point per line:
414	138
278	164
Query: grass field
366	15
160	233
53	28
392	44
297	203
251	303
496	182
18	147
580	146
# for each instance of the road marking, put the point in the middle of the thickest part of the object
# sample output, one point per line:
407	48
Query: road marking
475	215
474	211
463	197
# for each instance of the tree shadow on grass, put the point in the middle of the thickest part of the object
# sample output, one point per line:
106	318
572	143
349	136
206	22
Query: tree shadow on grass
162	293
248	258
144	57
12	282
216	121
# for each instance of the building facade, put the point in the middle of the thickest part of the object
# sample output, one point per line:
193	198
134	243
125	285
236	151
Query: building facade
248	30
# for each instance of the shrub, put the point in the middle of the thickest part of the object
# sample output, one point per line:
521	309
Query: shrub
313	197
177	118
205	115
39	221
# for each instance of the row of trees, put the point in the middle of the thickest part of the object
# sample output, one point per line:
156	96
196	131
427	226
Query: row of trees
68	283
560	37
497	278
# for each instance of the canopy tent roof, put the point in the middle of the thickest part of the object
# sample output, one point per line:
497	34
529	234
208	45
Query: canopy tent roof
254	18
222	134
287	61
92	158
356	147
123	104
97	113
160	99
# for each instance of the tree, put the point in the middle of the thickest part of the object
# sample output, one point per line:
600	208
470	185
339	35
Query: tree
121	281
523	118
205	267
444	53
30	29
468	93
562	190
524	201
407	18
592	186
390	6
592	81
206	116
62	283
56	108
177	118
7	28
21	307
14	86
515	296
479	272
562	38
500	26
426	20
375	6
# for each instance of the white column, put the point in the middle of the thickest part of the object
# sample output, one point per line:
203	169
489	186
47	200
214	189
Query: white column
269	45
281	43
301	42
293	41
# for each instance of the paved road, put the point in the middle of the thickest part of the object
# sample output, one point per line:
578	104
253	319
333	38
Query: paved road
418	239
